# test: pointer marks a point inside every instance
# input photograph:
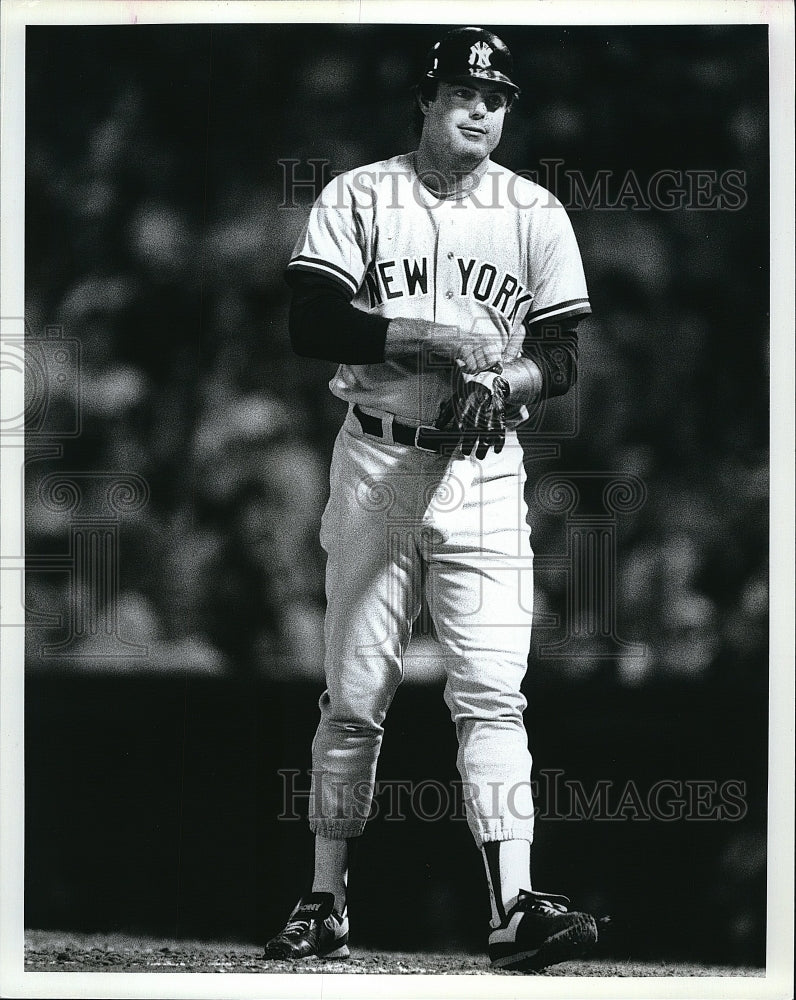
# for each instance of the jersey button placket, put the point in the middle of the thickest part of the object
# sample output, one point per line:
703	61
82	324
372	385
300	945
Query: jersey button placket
447	256
449	292
452	229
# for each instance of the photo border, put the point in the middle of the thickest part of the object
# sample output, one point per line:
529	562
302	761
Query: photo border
16	15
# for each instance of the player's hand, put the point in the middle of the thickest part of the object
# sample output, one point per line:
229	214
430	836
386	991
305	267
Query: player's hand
477	410
479	356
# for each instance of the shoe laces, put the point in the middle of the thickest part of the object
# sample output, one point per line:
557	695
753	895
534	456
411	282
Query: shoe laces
546	906
295	928
300	925
541	904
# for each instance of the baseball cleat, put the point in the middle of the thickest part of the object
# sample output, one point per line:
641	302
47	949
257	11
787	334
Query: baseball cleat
313	930
539	931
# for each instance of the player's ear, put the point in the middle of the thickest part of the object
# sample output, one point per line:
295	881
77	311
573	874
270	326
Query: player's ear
426	92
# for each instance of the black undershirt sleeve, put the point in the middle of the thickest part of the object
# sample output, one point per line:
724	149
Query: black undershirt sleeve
323	324
554	348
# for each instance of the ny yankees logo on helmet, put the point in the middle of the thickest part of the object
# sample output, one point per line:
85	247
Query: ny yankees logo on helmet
473	53
479	55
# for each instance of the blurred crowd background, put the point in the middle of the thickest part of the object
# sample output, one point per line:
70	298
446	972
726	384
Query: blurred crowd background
157	235
157	230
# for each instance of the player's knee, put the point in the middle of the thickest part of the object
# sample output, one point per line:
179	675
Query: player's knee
361	718
497	711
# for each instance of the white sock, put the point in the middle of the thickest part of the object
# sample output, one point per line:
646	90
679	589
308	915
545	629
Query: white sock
331	869
508	869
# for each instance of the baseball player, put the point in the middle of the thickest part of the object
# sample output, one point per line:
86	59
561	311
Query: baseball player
427	277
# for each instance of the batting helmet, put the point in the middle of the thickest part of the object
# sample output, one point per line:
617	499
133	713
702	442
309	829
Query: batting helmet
471	53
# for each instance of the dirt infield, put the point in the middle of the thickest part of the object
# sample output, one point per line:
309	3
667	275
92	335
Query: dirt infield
51	951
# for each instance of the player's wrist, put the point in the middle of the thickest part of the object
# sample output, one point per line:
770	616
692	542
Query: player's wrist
407	337
524	379
401	339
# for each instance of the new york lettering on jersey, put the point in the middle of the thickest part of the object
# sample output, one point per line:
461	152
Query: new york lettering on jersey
409	276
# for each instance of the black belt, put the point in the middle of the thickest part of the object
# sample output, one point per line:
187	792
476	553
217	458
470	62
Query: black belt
424	437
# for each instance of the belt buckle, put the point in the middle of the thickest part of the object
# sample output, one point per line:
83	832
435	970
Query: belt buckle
424	427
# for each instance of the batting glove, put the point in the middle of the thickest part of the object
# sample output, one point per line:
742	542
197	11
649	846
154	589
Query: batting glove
477	410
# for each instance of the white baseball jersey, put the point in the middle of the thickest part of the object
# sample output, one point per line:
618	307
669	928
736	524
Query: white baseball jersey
482	262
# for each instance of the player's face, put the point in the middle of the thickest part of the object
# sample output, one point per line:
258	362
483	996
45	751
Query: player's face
465	120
